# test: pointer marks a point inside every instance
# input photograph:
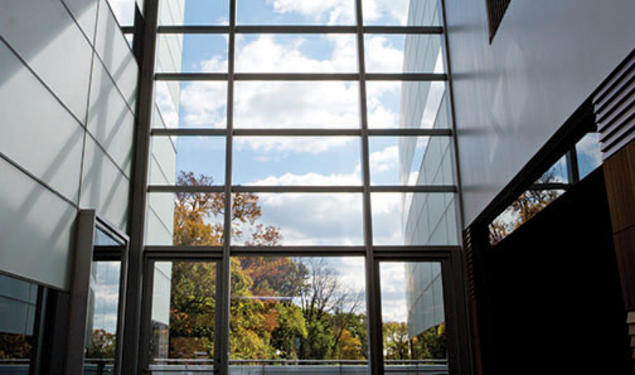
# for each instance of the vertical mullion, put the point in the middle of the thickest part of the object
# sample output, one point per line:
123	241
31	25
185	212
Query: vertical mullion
222	313
462	343
373	308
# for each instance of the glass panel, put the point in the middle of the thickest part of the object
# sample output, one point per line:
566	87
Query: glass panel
188	160
297	161
306	314
102	317
401	12
18	305
411	161
414	219
413	318
185	219
295	12
407	104
296	53
183	317
194	12
192	104
589	154
191	53
529	203
264	104
123	10
273	219
410	53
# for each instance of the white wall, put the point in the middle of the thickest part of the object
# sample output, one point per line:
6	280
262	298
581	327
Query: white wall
511	96
67	98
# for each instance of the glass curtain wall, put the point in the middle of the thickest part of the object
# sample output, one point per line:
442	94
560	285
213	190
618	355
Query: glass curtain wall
293	144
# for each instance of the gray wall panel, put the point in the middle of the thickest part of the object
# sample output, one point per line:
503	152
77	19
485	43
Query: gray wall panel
35	229
85	12
511	96
109	118
104	187
45	35
113	49
37	132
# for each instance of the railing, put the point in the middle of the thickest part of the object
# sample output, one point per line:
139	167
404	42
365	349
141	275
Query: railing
306	366
92	366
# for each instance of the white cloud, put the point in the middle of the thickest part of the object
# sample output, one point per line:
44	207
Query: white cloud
332	12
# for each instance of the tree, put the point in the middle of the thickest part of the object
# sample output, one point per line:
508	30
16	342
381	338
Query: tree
102	345
280	307
329	309
526	206
396	341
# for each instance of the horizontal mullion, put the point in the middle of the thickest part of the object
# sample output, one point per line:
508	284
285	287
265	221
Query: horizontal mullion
296	189
185	189
414	189
296	132
263	132
406	77
191	76
188	132
183	252
293	29
302	189
399	253
298	250
301	76
193	29
411	132
296	76
403	29
127	29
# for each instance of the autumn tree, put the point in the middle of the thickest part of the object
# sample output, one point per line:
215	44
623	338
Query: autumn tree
526	206
280	307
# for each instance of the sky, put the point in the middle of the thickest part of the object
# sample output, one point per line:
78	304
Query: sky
308	219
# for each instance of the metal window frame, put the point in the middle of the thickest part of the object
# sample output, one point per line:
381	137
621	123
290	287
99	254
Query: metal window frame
85	253
146	32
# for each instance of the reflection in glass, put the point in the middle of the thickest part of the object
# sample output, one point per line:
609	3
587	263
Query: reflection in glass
407	104
414	219
401	12
177	157
306	314
183	317
185	219
384	53
296	104
18	305
296	53
291	161
102	317
297	219
193	12
588	153
411	161
529	203
413	318
295	12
